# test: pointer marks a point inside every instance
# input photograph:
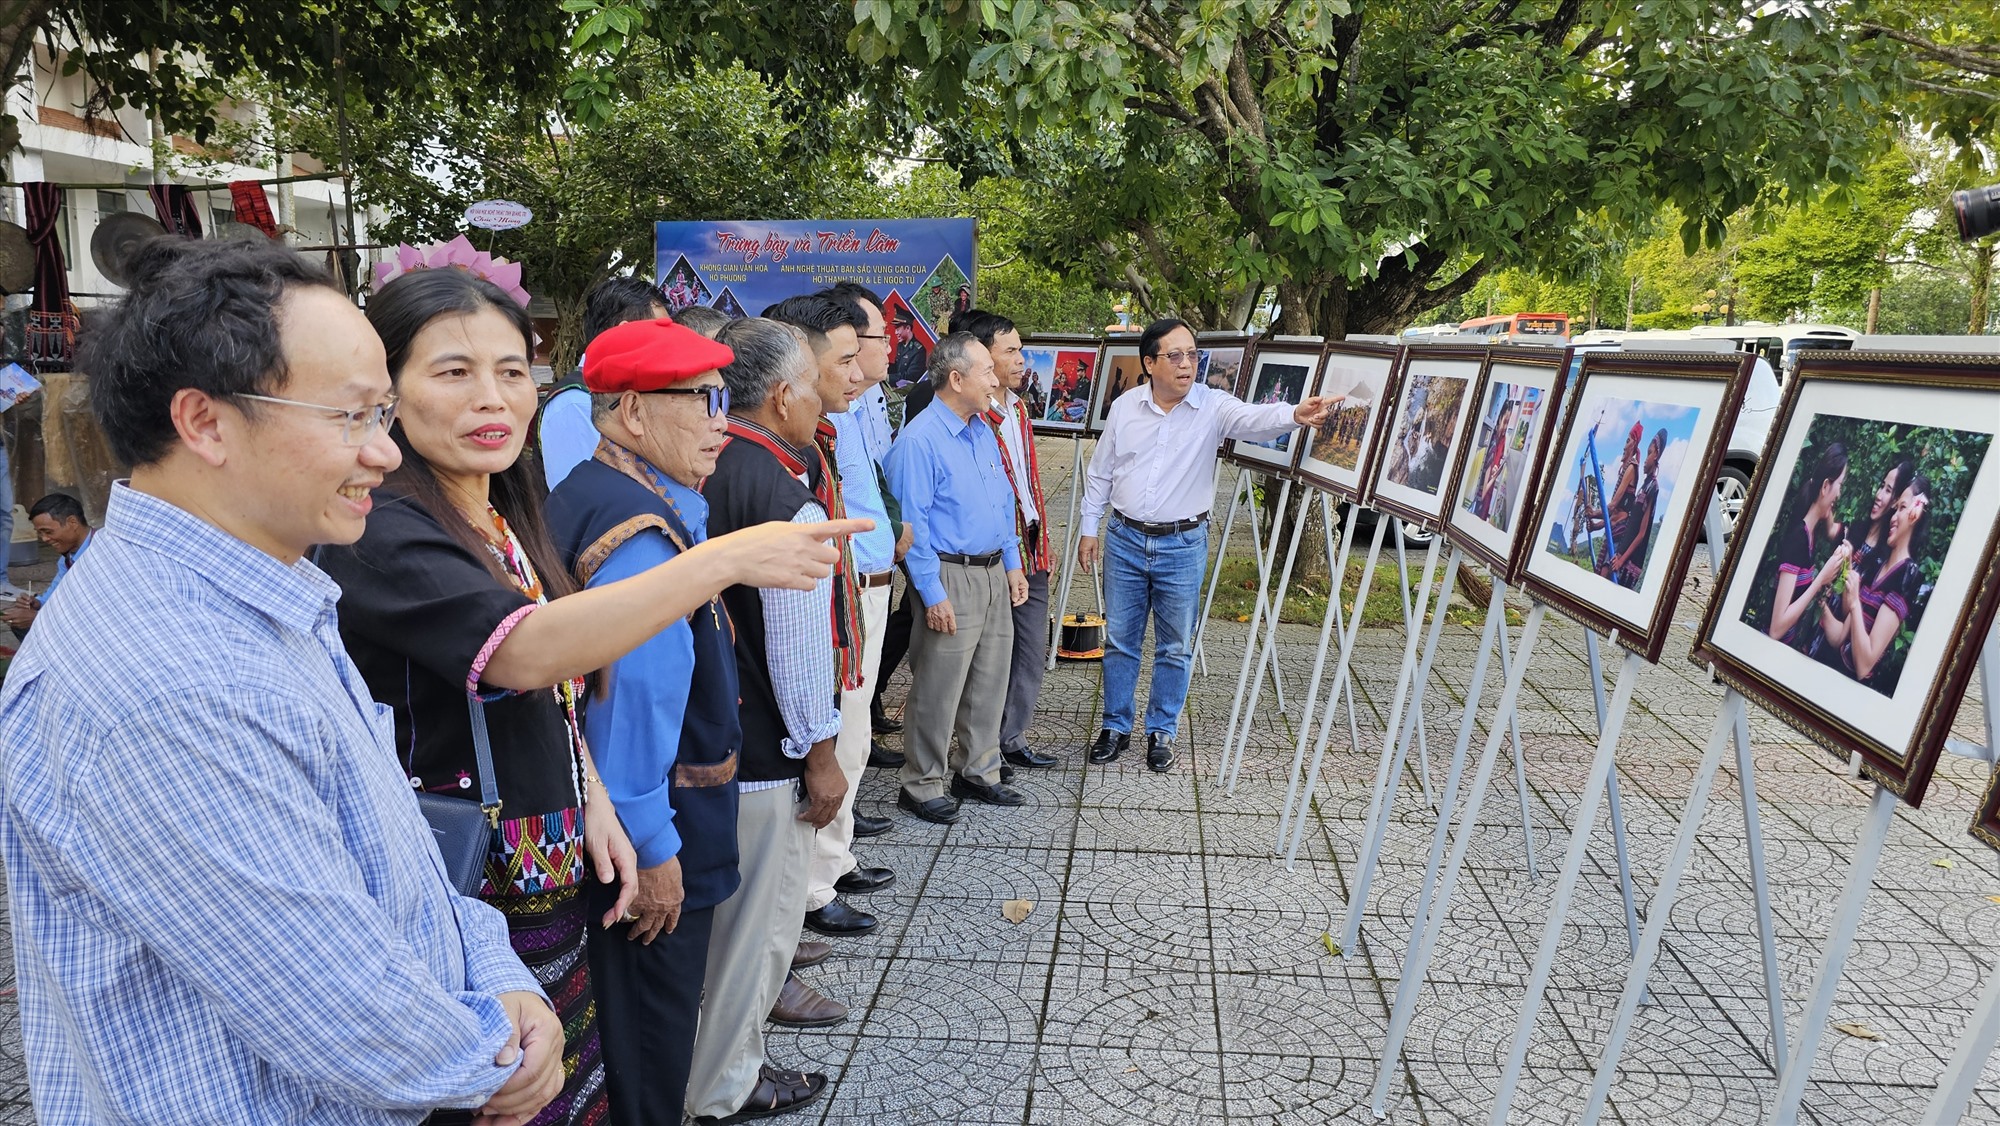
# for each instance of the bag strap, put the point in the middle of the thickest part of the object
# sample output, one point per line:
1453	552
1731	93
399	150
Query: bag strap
482	745
482	750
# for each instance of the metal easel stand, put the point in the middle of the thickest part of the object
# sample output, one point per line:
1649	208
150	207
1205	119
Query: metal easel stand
1618	850
1983	1030
1395	742
1333	621
1437	907
1253	651
1067	561
1579	844
1330	627
1235	739
1243	487
1413	621
1299	800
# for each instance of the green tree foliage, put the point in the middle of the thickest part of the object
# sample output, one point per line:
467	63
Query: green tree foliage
1372	161
371	53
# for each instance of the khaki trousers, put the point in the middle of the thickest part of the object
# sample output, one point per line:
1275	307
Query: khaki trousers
833	846
958	683
750	950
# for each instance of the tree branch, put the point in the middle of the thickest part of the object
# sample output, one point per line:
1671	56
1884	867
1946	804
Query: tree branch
1982	58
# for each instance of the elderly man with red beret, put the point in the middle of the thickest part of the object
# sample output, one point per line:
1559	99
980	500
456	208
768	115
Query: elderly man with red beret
663	726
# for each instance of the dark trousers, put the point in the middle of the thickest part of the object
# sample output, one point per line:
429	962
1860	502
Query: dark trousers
648	1000
896	641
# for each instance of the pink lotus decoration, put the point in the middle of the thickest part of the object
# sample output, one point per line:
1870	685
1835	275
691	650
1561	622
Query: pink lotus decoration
459	254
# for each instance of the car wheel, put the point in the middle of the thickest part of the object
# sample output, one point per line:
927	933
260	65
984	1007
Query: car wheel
1732	491
1415	538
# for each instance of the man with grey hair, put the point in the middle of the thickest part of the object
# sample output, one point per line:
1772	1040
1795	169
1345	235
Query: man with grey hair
965	564
789	784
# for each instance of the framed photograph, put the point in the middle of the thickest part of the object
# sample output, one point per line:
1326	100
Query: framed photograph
1224	361
1118	371
1618	511
1506	451
1062	372
1338	455
1860	582
1427	428
1281	371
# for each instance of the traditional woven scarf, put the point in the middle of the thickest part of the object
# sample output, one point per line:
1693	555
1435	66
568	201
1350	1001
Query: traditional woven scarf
175	205
52	321
246	199
846	626
996	420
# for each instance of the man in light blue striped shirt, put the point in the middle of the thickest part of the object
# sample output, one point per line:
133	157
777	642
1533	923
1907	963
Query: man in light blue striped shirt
227	905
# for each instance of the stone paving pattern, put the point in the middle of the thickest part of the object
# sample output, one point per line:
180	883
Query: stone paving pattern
1173	972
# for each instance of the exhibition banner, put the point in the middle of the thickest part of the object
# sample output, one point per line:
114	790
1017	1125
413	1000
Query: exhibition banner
922	268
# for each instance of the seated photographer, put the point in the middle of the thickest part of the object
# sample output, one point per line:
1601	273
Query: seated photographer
59	523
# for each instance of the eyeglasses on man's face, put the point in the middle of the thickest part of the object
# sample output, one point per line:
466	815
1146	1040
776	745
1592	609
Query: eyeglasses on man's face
358	427
1181	356
718	396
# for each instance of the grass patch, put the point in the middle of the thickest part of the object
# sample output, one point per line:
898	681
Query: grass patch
1305	602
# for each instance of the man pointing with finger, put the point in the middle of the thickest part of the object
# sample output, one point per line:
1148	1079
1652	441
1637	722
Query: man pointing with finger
965	565
1154	471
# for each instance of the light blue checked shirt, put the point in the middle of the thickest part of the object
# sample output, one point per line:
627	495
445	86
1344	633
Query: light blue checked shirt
226	904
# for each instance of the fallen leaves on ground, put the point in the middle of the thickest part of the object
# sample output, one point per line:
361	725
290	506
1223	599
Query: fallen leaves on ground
1856	1029
1015	910
1942	862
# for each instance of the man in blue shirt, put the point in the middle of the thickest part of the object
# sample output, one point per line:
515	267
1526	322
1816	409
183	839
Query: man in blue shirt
833	329
227	905
565	430
945	469
663	728
59	523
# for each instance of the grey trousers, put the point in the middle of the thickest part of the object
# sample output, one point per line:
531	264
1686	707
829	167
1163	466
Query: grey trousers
1031	655
750	949
833	846
958	683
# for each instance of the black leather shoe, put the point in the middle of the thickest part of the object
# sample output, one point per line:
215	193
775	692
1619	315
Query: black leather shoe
879	755
1110	744
1006	773
1029	757
1159	752
1000	793
881	724
866	826
861	881
839	918
937	811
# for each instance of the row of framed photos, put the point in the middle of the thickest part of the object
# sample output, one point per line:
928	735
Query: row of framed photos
1859	586
1073	380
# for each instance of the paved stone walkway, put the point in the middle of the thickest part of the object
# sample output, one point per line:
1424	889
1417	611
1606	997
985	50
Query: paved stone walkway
1172	972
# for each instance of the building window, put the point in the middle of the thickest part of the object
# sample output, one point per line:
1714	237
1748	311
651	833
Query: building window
112	203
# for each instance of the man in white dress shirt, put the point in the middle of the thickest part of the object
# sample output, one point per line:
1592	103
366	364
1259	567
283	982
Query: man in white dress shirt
1154	475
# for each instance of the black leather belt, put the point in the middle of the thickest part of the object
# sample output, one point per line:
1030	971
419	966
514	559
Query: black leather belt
986	560
1166	529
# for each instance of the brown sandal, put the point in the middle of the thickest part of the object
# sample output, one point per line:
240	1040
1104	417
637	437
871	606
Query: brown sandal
777	1092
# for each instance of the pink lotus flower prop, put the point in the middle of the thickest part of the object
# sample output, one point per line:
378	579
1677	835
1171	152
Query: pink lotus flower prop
456	254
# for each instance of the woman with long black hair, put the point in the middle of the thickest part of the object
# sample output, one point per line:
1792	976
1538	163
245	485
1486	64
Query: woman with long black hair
1801	576
454	602
1882	593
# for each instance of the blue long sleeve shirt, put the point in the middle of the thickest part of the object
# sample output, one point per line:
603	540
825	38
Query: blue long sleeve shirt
227	906
634	731
874	551
945	470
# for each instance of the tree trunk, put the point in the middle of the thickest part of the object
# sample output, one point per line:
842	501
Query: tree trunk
19	21
1295	310
567	347
1982	287
1243	308
1874	310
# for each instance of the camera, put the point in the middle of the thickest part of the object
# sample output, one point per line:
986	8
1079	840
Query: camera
1978	212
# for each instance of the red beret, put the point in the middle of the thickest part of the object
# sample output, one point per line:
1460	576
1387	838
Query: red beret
649	355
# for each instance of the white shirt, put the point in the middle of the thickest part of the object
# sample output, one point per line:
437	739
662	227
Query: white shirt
1158	466
1017	460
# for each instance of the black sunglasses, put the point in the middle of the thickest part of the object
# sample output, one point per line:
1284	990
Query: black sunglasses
718	397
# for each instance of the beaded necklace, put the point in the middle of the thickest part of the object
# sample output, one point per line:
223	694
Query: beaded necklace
514	561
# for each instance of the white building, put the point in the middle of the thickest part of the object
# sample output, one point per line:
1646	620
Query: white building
61	145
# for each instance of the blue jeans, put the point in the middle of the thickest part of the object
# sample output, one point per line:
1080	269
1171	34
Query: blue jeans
1158	577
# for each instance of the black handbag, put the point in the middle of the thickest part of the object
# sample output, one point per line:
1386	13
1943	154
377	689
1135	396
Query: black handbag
464	831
